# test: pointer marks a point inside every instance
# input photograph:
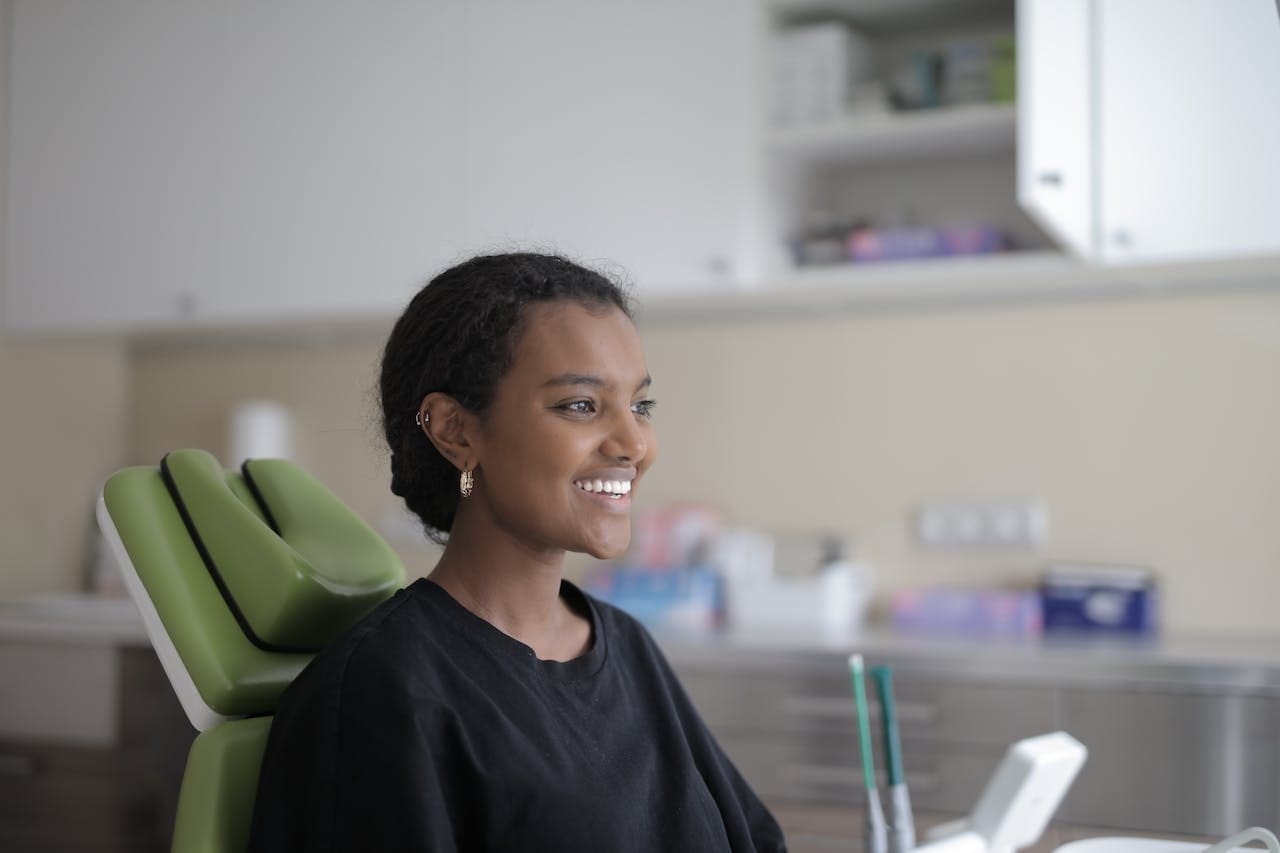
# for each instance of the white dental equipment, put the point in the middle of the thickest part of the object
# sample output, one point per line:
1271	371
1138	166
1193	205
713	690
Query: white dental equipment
1019	800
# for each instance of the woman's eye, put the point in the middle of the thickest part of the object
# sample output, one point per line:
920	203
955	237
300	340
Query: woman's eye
643	407
580	407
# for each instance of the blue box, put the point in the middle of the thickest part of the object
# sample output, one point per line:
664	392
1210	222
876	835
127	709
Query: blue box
689	599
1092	599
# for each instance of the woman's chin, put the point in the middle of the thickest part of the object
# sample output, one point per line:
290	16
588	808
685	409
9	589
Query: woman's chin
608	549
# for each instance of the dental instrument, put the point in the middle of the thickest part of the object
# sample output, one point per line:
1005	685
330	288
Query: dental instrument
902	830
876	835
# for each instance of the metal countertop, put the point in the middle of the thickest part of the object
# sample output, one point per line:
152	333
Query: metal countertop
1189	663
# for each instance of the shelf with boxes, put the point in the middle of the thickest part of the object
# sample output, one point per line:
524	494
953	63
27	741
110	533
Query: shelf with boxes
892	132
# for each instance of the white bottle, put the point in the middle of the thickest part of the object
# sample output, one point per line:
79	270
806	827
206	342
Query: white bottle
844	588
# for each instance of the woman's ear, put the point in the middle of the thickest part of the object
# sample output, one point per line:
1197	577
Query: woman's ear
450	427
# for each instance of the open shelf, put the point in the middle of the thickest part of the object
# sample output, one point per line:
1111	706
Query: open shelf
943	132
877	16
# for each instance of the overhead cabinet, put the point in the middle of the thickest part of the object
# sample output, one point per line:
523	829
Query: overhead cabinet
618	131
1147	130
245	162
229	162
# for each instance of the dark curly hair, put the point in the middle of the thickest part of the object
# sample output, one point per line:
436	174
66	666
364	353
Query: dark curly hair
458	336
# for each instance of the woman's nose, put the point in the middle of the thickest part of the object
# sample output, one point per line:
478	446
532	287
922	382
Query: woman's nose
626	438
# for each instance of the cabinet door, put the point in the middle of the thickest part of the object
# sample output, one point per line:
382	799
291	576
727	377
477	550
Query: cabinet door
622	132
1147	129
1055	115
1189	120
230	161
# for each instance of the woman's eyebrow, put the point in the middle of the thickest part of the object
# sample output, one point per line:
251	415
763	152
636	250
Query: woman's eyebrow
588	379
575	379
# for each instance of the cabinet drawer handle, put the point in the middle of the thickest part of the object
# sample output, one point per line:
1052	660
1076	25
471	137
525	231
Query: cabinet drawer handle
822	707
18	766
818	707
826	774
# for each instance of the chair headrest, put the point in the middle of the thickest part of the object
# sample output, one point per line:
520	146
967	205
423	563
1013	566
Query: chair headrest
240	576
295	565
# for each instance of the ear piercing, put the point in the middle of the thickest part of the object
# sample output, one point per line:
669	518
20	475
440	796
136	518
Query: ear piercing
466	483
422	419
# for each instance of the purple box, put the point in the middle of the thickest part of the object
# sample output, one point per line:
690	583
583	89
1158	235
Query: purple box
966	612
890	244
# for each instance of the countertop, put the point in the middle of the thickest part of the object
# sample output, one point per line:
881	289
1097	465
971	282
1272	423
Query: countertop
1193	663
72	619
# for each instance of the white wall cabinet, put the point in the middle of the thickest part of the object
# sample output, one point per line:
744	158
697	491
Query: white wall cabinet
1148	129
248	162
619	131
227	162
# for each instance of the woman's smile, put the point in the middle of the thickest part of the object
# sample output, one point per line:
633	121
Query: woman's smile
612	494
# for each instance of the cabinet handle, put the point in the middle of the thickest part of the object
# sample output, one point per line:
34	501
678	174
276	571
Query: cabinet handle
823	707
719	266
18	766
825	774
1050	179
818	707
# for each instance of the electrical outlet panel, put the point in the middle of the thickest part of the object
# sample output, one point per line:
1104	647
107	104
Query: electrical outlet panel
1003	525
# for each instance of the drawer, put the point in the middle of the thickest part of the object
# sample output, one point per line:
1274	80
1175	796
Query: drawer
1175	763
928	709
825	768
75	798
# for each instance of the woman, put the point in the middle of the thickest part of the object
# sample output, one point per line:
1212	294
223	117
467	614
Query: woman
494	706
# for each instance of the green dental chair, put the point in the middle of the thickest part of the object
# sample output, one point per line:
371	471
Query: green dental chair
241	577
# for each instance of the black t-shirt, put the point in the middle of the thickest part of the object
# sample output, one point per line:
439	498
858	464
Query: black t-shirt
425	728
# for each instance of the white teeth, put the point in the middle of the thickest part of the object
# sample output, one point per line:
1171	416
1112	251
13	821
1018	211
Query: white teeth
616	488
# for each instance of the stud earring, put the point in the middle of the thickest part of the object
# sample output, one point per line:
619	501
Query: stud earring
466	483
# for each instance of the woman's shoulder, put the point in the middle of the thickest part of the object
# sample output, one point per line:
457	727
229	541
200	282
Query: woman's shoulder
393	644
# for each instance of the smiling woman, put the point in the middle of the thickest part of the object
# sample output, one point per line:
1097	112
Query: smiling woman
494	705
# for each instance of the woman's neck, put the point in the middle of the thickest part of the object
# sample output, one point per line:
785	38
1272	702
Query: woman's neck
512	588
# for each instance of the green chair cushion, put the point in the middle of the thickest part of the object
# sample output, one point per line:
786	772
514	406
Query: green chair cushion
234	675
298	585
215	806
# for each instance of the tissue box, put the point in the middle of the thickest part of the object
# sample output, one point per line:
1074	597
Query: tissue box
1099	599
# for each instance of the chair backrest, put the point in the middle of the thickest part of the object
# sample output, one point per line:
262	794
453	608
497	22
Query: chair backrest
241	577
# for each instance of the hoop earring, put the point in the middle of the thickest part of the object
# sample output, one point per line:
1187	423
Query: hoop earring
466	483
422	420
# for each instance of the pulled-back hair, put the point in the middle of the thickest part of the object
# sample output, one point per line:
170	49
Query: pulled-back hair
458	337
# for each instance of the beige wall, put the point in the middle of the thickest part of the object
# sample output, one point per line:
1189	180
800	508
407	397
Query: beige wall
1148	426
63	419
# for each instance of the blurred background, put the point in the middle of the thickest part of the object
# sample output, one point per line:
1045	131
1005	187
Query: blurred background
942	291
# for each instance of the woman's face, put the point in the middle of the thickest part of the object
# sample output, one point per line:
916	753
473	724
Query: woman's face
569	433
